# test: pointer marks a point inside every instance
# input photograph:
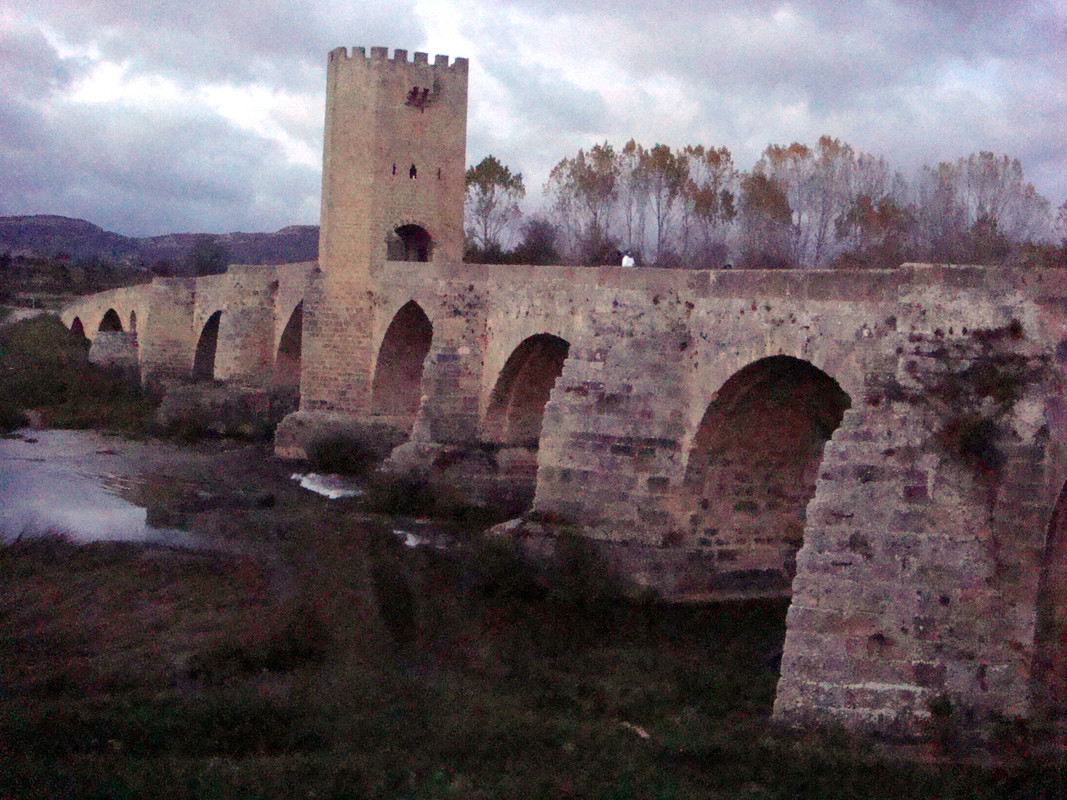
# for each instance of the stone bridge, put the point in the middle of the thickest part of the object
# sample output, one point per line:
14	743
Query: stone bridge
243	326
885	448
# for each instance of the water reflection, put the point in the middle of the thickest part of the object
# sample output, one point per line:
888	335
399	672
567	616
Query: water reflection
51	483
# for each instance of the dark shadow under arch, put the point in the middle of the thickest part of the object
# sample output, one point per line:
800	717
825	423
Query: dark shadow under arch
206	345
133	322
110	323
287	359
517	403
397	388
77	327
752	469
409	243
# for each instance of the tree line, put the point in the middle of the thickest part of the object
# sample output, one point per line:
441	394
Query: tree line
800	207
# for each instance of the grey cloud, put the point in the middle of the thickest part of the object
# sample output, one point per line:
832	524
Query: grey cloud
149	174
876	74
30	66
278	42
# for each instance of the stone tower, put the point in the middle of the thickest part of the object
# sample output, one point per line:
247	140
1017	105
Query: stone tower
393	173
393	159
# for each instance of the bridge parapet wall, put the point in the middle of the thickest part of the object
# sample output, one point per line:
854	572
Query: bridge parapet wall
125	301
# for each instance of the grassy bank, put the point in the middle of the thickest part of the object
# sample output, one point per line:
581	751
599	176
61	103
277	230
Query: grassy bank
347	665
45	374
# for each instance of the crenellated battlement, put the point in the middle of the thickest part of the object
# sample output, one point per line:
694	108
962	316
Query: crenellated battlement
379	59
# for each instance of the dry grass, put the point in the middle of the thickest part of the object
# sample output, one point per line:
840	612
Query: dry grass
346	665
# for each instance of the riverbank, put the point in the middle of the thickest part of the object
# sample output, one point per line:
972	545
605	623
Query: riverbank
336	661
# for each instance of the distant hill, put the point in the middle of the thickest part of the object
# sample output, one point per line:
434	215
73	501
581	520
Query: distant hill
46	258
50	237
46	236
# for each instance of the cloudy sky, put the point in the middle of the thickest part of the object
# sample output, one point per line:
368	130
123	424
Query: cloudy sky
155	116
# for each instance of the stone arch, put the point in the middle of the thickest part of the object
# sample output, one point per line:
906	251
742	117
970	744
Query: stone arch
111	322
397	387
517	402
133	321
206	346
286	376
77	327
1050	638
409	242
751	472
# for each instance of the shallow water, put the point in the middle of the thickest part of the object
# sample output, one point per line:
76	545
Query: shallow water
57	482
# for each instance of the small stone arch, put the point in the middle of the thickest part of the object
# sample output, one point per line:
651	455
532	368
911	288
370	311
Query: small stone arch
77	327
751	473
517	402
287	358
409	242
111	322
397	387
133	321
206	346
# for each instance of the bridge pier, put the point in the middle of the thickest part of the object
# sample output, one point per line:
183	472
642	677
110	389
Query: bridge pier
917	581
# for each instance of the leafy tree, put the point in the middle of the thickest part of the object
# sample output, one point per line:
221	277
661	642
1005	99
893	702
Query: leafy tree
766	224
632	195
665	175
209	256
582	190
538	245
879	232
789	168
492	203
710	205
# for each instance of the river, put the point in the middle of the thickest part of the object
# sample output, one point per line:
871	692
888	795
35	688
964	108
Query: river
68	483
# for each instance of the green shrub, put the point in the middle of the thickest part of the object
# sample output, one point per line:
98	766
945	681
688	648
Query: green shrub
46	367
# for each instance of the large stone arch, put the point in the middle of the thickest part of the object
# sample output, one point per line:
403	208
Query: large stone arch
751	472
206	348
517	402
843	353
506	336
397	387
286	377
514	416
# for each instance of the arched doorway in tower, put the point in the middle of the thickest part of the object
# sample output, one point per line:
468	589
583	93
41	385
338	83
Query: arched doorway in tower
518	400
1050	645
111	323
287	360
751	473
409	243
397	387
206	345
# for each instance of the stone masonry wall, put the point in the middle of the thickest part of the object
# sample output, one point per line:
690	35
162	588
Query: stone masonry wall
918	575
